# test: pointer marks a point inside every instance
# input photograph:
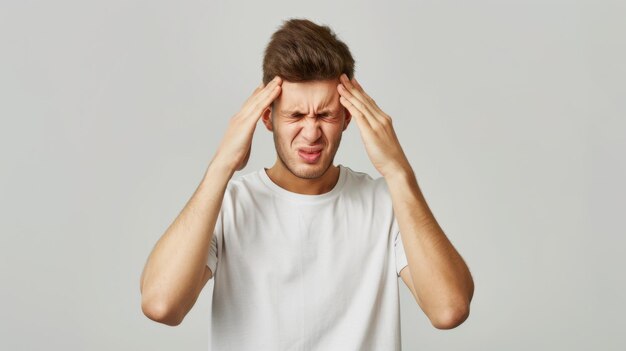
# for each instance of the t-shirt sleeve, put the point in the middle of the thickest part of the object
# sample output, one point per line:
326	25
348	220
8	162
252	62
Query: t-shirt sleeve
401	261
217	233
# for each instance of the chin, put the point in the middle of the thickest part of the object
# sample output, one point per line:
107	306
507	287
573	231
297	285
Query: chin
309	171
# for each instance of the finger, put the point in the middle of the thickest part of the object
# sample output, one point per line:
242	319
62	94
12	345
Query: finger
356	113
260	96
272	84
360	88
262	86
358	104
357	90
378	112
355	97
271	88
352	89
254	92
265	99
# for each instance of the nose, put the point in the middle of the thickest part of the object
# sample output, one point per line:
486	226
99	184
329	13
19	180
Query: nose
310	129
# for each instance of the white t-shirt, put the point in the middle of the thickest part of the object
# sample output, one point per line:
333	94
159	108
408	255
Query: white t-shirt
306	272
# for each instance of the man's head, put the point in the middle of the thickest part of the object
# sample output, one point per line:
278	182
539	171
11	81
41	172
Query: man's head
307	114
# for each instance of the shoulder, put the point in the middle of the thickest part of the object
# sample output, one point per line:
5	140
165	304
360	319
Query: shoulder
242	187
244	182
363	183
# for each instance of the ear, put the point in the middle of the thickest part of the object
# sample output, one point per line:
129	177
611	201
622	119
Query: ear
347	119
266	117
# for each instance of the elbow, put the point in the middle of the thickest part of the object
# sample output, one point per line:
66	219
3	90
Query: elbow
161	313
458	311
452	318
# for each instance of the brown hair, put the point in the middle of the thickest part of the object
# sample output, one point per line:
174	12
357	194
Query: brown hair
301	50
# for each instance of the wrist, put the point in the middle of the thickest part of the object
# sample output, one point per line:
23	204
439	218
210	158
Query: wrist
219	169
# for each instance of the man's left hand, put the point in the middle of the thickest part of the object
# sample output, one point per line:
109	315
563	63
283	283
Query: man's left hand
379	137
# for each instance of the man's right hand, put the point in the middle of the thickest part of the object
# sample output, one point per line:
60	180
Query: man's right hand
234	150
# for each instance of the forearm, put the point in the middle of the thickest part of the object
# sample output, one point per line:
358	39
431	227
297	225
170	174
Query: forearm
175	267
441	278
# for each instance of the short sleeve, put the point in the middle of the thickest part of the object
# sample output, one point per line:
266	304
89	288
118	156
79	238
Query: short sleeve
401	261
217	233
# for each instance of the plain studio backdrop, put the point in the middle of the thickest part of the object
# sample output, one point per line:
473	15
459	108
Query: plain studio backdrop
512	115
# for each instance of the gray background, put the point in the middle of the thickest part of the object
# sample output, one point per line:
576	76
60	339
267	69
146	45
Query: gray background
512	115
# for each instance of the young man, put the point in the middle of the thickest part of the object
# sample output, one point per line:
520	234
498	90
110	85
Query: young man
306	255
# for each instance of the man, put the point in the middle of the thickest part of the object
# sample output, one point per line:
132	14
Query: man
305	254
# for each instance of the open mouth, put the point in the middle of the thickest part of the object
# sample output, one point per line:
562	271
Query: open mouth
310	157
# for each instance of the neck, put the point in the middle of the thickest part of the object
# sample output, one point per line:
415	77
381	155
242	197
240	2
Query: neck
283	177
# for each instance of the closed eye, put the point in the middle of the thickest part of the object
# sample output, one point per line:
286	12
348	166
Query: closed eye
320	115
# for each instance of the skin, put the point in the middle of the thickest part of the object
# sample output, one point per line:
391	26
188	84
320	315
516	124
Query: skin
306	114
175	271
437	276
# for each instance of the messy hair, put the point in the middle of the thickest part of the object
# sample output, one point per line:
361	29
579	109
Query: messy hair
301	51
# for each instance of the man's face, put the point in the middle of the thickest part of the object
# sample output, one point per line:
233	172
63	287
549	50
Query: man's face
307	116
